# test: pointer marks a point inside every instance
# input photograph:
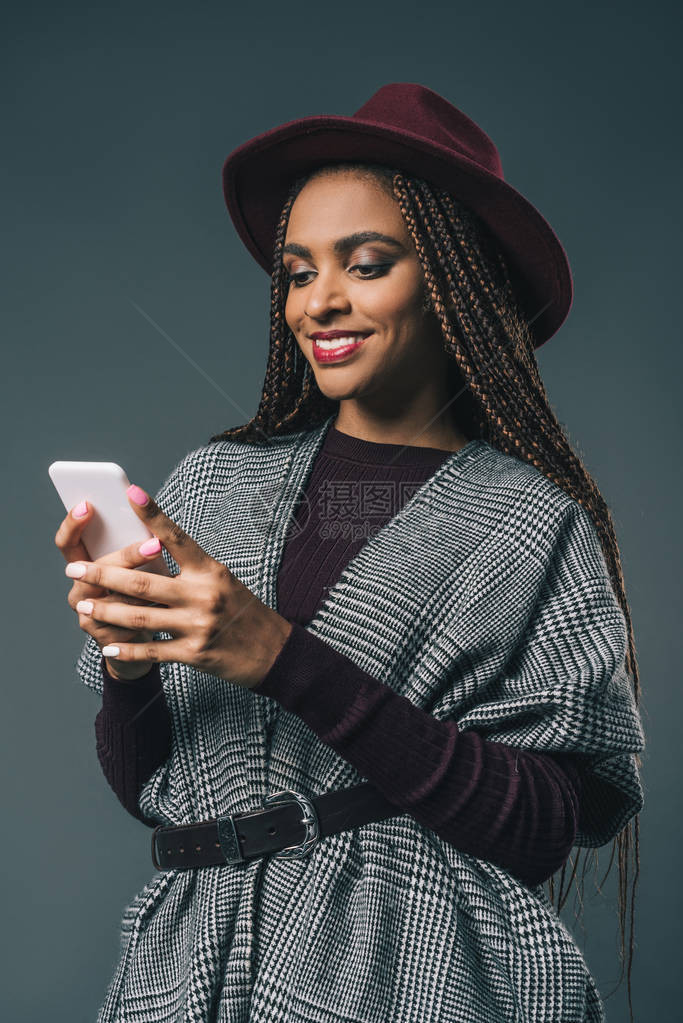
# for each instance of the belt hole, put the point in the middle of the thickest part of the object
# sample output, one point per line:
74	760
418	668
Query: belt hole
181	850
272	829
217	844
198	848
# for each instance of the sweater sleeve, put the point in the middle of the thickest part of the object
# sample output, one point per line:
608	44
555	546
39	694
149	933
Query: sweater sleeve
133	734
515	808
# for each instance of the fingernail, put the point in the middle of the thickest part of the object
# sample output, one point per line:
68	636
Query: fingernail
80	510
151	546
137	494
75	570
85	606
111	651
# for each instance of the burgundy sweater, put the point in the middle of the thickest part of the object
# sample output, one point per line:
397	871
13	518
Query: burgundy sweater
512	807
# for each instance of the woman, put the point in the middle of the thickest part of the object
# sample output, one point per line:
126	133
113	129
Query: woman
388	685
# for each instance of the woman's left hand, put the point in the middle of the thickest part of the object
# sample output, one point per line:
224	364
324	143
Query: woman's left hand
219	626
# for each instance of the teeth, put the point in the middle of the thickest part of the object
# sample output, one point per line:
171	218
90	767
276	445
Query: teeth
338	342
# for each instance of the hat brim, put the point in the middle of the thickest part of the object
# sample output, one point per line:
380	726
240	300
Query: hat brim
258	174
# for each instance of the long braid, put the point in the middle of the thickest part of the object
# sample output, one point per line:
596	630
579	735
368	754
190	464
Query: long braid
501	399
289	396
519	420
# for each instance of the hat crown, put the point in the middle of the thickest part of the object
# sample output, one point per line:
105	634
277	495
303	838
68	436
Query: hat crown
414	108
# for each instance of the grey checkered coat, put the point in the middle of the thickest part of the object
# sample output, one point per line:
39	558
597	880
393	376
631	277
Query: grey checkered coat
486	599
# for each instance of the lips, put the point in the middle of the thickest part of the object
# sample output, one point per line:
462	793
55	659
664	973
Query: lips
340	349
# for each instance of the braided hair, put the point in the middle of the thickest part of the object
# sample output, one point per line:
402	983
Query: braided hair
498	395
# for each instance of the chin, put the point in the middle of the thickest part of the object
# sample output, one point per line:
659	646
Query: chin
334	378
336	384
339	394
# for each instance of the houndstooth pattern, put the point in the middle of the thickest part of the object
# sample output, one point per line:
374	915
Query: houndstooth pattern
486	599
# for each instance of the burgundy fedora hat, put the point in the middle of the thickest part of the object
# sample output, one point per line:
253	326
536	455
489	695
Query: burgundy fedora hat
409	127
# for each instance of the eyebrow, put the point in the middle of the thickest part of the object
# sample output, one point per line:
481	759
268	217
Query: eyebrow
345	244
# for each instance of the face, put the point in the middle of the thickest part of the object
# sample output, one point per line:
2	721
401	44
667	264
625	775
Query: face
372	289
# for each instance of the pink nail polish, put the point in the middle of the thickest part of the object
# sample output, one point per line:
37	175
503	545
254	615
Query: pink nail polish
137	494
80	510
151	546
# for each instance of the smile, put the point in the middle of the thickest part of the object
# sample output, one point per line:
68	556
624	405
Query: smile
337	348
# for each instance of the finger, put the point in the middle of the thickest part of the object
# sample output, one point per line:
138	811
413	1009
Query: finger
131	616
68	539
68	536
103	632
182	547
164	650
145	585
86	591
83	590
131	557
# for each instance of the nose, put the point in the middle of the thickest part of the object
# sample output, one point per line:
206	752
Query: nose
326	294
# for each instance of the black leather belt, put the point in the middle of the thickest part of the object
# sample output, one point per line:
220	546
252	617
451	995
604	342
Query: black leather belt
288	824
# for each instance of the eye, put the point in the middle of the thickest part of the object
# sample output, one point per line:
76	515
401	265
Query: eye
376	270
379	268
295	278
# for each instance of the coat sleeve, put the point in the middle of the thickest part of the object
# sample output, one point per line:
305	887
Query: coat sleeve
565	689
170	499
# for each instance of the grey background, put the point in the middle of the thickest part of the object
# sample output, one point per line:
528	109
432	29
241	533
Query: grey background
135	325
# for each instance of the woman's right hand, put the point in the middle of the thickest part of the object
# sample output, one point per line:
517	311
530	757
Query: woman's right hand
68	540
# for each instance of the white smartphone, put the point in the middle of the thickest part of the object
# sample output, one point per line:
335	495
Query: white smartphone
114	524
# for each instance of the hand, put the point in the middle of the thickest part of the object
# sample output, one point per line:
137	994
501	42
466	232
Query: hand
68	540
218	625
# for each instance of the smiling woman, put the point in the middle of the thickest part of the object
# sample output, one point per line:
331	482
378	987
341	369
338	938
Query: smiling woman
393	679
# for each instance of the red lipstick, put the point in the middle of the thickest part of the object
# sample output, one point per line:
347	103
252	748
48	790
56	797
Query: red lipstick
339	351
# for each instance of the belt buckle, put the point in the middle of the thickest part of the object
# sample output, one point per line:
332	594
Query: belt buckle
310	819
227	830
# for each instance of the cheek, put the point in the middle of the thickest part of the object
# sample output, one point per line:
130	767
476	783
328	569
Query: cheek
399	302
398	315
